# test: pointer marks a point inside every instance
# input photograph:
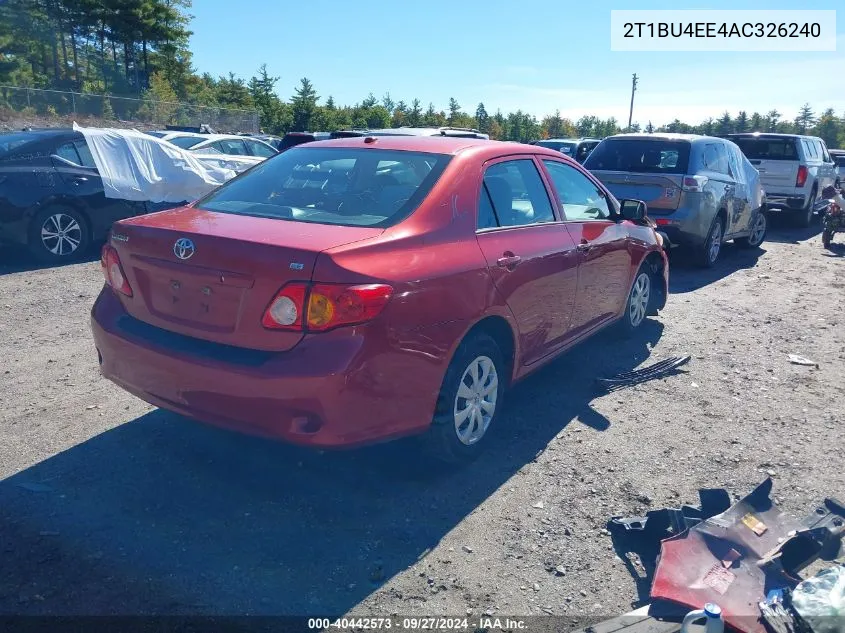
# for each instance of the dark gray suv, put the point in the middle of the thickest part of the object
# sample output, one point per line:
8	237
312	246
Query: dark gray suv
700	190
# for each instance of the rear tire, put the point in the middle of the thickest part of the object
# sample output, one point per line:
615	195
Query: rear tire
58	234
805	218
708	254
760	224
469	402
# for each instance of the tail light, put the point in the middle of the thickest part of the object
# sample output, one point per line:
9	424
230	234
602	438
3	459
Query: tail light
801	178
695	183
322	307
113	271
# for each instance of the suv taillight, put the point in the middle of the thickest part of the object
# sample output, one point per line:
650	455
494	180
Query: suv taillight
321	307
113	271
694	183
801	178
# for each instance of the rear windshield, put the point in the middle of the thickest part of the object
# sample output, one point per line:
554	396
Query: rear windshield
839	159
344	186
563	148
186	142
640	156
767	148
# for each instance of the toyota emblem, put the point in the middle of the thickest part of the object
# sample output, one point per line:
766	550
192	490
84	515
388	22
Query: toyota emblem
183	248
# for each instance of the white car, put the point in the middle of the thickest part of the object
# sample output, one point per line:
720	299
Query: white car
228	144
794	170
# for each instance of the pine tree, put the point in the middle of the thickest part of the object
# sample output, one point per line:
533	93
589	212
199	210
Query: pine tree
724	125
454	111
415	115
805	119
772	119
303	105
741	122
482	119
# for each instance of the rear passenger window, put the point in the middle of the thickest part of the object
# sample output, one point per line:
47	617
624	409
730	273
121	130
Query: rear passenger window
68	152
580	198
716	158
516	194
85	154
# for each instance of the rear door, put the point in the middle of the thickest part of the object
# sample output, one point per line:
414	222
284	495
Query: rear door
722	184
744	194
776	158
79	173
530	254
828	170
605	262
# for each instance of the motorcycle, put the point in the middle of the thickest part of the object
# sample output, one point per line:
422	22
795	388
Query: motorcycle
834	217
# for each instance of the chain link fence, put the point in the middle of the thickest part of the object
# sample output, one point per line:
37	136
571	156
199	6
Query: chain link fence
58	103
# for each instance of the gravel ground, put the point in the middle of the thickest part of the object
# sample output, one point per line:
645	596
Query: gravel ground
109	506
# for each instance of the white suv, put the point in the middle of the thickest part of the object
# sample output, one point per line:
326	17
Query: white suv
793	168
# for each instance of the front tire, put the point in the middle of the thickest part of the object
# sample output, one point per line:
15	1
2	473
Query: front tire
758	232
469	401
58	234
639	301
708	254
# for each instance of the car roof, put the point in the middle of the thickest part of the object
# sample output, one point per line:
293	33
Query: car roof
667	136
770	135
568	140
44	131
452	145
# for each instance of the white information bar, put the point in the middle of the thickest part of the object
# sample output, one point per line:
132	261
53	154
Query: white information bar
723	31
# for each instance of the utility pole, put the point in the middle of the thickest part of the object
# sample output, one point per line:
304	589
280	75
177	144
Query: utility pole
631	111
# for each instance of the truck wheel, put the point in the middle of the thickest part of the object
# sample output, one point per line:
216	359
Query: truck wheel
805	218
708	254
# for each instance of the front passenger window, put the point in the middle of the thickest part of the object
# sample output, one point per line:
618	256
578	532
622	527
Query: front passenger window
516	195
580	198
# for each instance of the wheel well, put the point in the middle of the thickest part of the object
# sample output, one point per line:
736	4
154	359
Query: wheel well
723	213
500	331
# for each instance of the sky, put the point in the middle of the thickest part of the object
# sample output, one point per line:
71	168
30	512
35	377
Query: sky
535	55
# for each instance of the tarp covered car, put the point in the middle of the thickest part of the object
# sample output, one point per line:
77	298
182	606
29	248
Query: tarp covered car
137	166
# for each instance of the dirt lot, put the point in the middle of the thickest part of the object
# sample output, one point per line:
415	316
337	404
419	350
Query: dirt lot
110	506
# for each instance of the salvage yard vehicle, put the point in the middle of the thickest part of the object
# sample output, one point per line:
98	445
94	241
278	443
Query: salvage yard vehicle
230	144
700	190
794	170
838	156
361	289
834	219
577	148
51	195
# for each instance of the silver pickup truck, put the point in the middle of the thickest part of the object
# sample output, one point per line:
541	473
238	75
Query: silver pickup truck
793	168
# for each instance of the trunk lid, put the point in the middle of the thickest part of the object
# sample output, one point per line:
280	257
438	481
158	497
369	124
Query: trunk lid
660	192
212	275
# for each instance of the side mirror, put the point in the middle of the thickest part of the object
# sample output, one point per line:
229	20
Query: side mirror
633	210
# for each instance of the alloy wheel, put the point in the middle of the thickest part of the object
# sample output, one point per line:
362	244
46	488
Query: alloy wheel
61	234
715	245
758	231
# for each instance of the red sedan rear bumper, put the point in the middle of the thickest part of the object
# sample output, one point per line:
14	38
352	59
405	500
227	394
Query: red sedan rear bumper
336	389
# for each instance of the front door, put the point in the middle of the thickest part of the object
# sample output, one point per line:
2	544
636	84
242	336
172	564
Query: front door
530	254
604	272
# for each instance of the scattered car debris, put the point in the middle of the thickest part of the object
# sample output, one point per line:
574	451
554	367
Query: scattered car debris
730	556
659	369
795	359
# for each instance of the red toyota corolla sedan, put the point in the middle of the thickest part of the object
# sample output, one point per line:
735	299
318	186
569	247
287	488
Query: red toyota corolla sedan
362	289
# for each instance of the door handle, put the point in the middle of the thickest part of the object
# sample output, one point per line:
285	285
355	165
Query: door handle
584	246
79	179
508	261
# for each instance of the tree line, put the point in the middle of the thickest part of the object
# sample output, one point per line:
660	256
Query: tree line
139	48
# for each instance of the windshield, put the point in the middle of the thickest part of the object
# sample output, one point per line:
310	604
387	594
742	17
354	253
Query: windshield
640	156
345	186
186	142
559	146
767	148
8	142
